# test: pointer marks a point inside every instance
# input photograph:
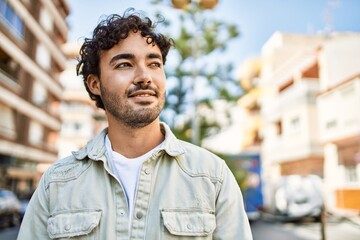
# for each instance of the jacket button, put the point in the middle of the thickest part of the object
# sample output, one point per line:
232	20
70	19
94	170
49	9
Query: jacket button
139	215
67	227
122	212
147	171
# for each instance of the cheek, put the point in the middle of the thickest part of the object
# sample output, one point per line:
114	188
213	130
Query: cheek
117	81
161	83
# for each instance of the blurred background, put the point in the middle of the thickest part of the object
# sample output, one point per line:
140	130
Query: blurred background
271	86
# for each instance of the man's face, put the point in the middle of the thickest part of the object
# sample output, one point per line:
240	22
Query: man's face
132	81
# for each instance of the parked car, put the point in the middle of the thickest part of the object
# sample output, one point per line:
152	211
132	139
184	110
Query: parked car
9	208
299	196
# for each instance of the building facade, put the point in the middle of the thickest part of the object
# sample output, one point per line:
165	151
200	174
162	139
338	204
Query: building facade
248	75
339	120
311	125
81	119
289	82
31	59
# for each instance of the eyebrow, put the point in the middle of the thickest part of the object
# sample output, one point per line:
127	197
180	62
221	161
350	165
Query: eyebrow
132	56
154	55
122	56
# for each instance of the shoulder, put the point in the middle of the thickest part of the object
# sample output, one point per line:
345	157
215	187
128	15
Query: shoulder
66	169
198	161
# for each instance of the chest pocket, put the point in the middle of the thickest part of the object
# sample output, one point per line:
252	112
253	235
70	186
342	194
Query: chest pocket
81	224
187	224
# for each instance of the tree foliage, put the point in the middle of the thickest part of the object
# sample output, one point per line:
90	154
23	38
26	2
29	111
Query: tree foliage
199	75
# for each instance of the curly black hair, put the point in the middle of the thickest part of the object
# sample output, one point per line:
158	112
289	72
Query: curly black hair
107	34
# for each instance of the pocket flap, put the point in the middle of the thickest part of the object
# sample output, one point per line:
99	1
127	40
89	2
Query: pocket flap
189	223
71	224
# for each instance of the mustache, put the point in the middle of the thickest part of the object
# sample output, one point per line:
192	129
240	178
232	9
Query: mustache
139	87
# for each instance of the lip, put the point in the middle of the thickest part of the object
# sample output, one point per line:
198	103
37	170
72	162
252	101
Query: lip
143	93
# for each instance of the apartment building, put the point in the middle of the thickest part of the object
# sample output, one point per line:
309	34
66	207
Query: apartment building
31	59
249	73
81	119
339	120
309	104
290	83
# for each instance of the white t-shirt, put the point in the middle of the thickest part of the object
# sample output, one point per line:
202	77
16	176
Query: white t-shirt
126	171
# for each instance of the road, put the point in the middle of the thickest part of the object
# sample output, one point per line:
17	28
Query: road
339	229
270	230
9	233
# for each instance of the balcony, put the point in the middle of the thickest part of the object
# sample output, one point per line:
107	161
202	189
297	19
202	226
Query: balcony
291	131
295	66
283	149
339	117
299	94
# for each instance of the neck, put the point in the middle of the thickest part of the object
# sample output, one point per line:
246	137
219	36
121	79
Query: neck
134	142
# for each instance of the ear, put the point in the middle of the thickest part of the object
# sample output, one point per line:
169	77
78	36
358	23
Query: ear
93	83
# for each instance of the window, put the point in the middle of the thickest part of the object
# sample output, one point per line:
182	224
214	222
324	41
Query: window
349	102
9	67
349	156
46	20
36	133
295	124
278	126
7	123
43	57
11	19
77	126
350	174
331	124
39	96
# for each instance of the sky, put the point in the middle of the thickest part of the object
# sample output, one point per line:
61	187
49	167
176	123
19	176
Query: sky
257	20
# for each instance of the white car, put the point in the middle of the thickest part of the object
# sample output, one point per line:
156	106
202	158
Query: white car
9	208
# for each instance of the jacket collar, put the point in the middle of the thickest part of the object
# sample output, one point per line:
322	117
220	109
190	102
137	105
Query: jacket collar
95	148
172	145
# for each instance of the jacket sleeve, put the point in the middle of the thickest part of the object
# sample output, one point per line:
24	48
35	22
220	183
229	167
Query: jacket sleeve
231	219
34	224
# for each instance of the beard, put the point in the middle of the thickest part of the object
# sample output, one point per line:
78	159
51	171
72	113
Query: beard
122	110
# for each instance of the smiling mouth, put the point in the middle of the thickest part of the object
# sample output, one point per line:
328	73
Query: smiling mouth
143	93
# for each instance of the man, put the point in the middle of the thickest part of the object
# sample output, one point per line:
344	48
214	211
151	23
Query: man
134	180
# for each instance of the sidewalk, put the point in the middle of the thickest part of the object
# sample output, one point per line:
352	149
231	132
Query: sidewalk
336	228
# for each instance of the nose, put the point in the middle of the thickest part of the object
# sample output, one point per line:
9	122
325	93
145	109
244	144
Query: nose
142	77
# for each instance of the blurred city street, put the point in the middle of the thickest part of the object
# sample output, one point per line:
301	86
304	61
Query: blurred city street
336	229
272	87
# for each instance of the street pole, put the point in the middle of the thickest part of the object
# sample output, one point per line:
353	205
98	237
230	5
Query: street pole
323	222
205	4
195	133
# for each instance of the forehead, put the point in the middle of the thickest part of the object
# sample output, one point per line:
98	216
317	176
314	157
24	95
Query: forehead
134	44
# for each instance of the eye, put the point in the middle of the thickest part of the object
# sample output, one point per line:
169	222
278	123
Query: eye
155	65
123	65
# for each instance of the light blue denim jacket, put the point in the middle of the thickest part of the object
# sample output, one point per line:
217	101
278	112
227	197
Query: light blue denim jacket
183	192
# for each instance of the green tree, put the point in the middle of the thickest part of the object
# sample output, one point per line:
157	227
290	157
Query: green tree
199	75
